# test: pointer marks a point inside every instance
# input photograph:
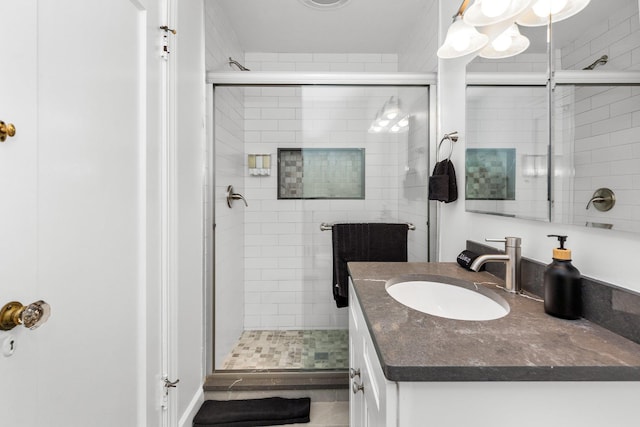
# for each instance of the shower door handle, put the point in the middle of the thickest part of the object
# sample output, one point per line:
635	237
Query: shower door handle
231	196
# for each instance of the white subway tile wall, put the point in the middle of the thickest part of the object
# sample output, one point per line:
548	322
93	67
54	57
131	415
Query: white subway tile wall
601	126
525	62
288	260
322	62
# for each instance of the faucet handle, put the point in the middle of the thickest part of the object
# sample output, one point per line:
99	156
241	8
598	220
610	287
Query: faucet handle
508	241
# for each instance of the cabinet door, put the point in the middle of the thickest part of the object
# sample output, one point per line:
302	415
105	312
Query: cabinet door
356	362
373	400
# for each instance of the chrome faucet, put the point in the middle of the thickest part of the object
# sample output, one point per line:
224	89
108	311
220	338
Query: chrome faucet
511	258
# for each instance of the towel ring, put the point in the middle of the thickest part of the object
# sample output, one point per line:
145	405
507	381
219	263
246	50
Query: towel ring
451	137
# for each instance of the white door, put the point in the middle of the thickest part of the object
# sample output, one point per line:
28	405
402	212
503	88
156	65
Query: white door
73	216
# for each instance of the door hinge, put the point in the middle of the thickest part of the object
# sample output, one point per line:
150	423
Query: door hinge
165	41
166	385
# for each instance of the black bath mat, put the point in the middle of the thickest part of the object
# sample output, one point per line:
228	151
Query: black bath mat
271	411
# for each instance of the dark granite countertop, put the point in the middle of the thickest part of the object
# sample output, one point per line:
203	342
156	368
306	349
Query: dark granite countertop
525	345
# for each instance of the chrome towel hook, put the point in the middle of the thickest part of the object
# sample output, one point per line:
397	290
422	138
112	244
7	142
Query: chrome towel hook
452	138
231	196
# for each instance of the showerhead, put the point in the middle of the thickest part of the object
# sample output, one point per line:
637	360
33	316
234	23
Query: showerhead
237	64
600	61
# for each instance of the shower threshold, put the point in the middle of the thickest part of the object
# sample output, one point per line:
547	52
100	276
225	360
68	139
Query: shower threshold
320	386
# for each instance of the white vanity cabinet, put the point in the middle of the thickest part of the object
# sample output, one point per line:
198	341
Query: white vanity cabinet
376	401
373	401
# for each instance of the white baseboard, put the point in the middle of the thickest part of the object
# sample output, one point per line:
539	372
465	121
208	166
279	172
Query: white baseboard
186	420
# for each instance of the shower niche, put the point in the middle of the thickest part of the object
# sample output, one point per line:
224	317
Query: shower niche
321	173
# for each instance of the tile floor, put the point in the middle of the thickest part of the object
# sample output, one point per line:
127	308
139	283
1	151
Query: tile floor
299	349
328	414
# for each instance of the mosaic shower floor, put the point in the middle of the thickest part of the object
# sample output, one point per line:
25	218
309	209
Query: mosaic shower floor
306	349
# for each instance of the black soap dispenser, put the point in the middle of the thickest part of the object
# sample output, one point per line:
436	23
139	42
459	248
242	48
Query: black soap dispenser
562	284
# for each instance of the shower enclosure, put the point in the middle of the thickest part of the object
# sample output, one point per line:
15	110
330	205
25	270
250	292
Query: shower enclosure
302	155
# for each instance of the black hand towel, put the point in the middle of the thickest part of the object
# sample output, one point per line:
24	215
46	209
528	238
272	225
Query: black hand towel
466	258
253	412
442	184
364	242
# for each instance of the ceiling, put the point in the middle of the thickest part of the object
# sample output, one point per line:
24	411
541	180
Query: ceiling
366	26
288	26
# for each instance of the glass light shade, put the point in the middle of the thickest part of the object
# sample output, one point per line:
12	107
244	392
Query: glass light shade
544	8
509	43
391	109
462	39
531	17
493	8
403	122
475	15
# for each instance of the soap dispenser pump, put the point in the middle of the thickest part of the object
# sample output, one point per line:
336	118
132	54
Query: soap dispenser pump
562	284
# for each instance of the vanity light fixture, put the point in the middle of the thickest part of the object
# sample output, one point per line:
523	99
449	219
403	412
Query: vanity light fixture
489	12
509	43
463	38
559	10
538	14
390	118
391	109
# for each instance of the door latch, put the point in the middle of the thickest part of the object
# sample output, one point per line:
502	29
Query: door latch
170	384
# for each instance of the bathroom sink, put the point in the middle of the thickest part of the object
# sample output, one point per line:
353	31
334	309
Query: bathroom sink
447	297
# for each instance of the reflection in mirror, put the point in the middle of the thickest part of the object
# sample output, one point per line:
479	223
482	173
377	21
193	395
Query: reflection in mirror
507	145
582	41
597	146
601	38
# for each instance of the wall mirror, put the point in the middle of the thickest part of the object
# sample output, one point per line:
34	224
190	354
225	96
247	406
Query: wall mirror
506	155
592	125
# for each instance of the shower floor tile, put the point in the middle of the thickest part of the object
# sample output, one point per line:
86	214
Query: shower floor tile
304	349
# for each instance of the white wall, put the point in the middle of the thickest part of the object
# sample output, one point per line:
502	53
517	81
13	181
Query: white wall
601	254
189	198
222	43
418	53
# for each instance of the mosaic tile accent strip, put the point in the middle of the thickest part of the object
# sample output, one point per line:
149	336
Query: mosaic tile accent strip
490	174
319	173
302	349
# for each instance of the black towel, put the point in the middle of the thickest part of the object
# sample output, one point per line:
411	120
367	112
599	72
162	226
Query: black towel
466	258
364	242
442	183
270	411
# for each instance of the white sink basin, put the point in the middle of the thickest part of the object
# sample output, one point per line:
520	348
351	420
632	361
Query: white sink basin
454	299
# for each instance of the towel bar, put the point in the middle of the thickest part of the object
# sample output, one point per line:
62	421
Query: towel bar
326	226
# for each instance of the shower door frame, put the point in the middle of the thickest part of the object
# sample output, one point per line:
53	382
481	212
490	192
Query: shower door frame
268	78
